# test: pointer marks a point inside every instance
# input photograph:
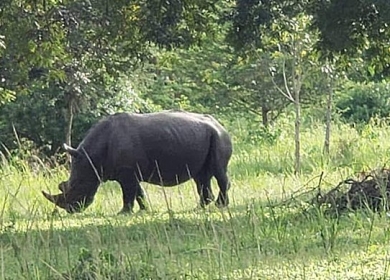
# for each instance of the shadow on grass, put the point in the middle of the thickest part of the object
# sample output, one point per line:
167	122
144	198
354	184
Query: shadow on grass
202	243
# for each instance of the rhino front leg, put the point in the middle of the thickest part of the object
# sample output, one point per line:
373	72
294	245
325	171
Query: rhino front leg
130	190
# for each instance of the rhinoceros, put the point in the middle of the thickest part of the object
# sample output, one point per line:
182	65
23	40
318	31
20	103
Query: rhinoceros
164	148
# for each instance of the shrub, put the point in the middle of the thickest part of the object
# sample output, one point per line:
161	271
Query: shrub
359	103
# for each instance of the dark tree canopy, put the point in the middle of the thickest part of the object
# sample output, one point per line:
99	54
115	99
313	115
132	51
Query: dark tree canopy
345	25
248	17
348	27
355	28
39	37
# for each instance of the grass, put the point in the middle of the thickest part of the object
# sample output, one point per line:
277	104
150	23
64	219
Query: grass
255	238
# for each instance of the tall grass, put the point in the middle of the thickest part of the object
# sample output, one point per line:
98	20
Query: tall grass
256	237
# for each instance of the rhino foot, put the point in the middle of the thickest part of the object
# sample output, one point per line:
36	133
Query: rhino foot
125	211
222	201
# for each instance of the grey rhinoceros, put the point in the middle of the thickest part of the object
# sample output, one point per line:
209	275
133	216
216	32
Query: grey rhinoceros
165	148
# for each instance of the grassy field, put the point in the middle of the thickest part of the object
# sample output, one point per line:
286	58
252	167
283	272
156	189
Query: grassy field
257	237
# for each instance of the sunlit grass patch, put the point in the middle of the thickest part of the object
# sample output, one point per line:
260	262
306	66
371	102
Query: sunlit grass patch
353	265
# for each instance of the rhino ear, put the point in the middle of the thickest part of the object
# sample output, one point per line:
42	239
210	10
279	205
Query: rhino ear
72	151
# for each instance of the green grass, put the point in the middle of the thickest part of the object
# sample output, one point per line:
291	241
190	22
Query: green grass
257	237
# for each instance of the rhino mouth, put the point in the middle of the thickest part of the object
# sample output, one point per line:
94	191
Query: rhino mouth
70	200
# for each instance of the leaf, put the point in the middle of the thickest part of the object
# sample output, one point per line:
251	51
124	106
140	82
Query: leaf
32	46
6	95
2	43
371	70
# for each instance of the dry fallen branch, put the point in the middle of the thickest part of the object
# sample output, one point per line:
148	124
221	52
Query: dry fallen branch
372	192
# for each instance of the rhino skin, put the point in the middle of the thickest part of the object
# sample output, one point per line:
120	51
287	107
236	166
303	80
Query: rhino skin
165	148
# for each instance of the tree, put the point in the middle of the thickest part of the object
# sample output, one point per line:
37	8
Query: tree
191	79
349	32
281	31
252	89
327	69
73	47
295	59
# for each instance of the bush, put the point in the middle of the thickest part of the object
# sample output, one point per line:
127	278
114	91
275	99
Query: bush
39	116
359	103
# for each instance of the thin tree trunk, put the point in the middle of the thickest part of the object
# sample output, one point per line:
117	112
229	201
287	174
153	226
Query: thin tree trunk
297	77
297	80
328	119
264	116
68	131
297	167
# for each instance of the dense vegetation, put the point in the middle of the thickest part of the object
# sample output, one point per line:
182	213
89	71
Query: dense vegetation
301	85
67	63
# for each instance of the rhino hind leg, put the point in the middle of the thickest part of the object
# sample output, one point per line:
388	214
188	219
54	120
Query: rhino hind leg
203	184
223	197
224	185
141	198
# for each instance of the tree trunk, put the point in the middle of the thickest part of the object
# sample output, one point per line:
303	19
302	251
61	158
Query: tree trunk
297	167
68	130
264	116
328	119
297	82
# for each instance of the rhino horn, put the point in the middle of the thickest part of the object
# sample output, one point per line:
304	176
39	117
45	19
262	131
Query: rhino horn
49	197
56	199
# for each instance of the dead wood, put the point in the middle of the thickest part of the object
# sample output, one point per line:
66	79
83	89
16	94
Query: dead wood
370	191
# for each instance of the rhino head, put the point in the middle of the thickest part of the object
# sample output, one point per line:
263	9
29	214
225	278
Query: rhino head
70	202
79	191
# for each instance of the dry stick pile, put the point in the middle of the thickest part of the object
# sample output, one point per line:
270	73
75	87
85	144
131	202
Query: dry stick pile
372	192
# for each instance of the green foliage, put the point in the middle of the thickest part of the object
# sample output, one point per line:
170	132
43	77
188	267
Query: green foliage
192	79
249	20
66	59
64	56
349	26
357	29
360	103
6	96
47	128
281	65
251	87
62	41
214	79
253	132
